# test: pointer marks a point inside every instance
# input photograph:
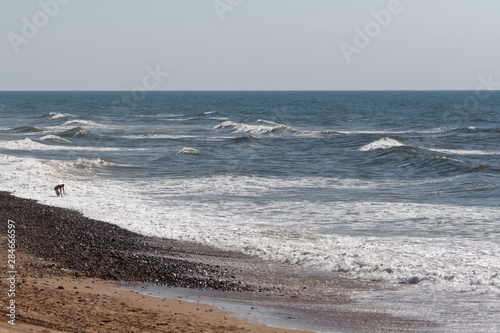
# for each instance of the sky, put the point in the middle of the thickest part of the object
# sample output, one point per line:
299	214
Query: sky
249	44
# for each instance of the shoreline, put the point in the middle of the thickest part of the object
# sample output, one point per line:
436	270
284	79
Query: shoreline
54	300
57	245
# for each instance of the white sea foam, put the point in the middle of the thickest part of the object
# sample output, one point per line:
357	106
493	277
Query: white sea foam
80	122
306	233
465	152
255	129
53	138
24	144
384	143
79	170
387	143
57	115
29	144
189	150
98	162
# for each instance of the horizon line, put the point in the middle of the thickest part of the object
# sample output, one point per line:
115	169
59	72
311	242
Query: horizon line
248	90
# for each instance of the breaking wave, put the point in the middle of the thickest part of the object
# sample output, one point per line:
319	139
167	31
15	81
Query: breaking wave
189	150
89	164
25	144
384	143
57	115
465	152
29	144
80	123
387	143
52	138
268	128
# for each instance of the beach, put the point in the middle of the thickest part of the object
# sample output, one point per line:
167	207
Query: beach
379	219
228	167
55	300
68	268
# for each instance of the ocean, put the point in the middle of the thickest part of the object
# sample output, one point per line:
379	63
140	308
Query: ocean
394	186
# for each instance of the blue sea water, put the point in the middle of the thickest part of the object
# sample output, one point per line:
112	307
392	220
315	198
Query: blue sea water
398	186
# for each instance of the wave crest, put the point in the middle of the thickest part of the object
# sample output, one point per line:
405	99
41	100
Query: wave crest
52	138
384	143
79	123
25	144
88	164
189	150
269	127
57	115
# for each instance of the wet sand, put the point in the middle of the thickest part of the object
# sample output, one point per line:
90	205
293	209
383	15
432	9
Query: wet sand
54	300
67	266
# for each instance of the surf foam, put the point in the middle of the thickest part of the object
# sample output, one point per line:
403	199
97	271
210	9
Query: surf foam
57	115
189	150
306	233
270	127
384	143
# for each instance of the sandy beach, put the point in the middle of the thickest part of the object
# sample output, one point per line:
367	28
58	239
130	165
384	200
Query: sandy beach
54	300
250	166
68	266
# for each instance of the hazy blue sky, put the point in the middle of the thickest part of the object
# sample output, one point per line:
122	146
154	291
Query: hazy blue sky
248	44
